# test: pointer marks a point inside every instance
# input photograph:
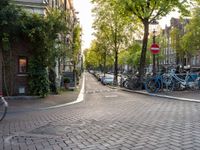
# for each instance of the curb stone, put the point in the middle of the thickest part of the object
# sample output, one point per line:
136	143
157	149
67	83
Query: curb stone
163	96
80	98
158	95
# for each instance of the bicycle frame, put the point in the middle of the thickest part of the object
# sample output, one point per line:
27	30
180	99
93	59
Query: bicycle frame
154	84
182	81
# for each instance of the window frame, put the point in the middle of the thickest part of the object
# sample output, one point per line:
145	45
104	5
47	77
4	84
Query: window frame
26	58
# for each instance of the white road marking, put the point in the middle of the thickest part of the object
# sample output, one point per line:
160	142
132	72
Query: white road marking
110	96
78	100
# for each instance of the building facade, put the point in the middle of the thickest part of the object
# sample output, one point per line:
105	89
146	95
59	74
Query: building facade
17	77
33	6
170	53
41	6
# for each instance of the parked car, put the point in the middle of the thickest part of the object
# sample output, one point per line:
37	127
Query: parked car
107	80
100	77
91	71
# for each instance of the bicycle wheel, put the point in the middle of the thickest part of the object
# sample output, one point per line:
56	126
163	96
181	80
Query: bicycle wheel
152	85
3	108
125	84
169	83
170	86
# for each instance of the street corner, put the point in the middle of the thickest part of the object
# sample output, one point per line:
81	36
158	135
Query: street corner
34	103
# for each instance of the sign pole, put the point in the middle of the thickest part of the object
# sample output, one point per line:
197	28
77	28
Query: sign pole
154	50
154	57
154	64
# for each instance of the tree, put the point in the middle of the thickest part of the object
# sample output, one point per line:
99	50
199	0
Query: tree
76	50
10	17
131	56
147	11
190	40
76	45
40	32
92	58
112	23
176	35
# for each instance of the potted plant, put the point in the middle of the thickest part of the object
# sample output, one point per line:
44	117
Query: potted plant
66	81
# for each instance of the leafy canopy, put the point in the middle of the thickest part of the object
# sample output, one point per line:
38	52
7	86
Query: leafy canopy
153	9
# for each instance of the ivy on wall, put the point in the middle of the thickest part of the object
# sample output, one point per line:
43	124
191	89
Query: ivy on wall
41	33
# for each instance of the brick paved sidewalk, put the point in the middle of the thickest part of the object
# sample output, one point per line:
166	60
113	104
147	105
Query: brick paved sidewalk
186	95
34	103
189	94
51	100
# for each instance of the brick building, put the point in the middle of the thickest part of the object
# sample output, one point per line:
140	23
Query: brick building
169	53
16	79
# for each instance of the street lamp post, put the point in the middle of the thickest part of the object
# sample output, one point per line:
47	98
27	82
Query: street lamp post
154	23
154	56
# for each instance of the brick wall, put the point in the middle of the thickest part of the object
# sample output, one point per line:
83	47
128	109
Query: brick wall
15	80
21	80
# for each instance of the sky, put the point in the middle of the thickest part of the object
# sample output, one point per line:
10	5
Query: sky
84	8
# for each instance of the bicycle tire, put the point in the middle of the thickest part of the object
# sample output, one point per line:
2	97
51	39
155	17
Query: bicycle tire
125	84
3	108
152	85
134	84
170	86
169	83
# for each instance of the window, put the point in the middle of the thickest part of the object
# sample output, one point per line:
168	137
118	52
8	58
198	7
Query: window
22	65
198	59
194	60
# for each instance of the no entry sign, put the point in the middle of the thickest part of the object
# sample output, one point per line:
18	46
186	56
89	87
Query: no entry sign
155	49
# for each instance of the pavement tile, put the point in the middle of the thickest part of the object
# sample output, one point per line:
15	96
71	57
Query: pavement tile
51	100
129	123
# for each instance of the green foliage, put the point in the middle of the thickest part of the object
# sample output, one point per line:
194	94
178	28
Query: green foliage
191	39
162	42
41	32
92	58
131	56
111	25
146	11
38	78
66	80
9	22
76	42
176	35
153	9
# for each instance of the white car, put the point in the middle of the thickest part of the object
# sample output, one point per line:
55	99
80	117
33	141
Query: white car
107	80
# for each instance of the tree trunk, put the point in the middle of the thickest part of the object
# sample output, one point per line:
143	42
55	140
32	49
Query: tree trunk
116	67
104	65
144	49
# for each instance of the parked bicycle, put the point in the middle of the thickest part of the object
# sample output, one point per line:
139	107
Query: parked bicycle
131	82
3	108
190	80
158	82
171	81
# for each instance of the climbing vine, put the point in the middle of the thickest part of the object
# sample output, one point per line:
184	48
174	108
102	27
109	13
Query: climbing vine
41	33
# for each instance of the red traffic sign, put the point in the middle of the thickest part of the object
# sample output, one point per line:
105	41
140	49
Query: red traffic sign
155	49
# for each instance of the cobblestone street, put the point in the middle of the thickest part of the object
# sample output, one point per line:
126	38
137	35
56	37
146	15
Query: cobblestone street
106	119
